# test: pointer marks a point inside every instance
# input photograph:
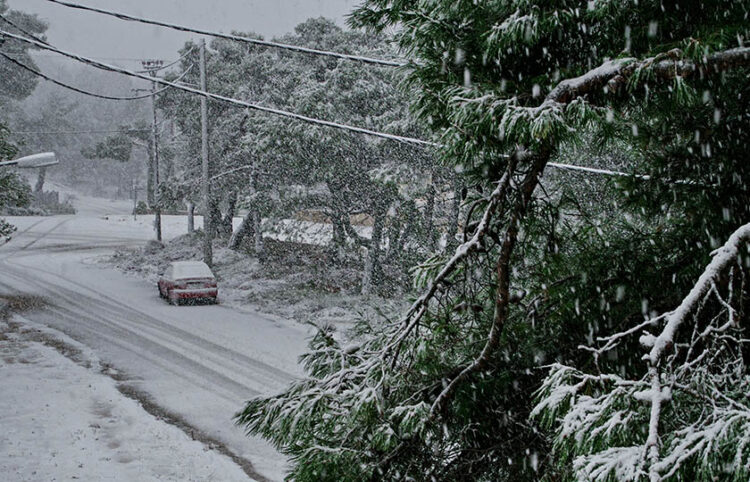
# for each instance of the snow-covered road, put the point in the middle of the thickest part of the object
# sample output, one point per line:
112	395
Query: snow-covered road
198	364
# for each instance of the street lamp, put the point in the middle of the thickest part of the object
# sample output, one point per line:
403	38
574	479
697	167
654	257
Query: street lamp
34	161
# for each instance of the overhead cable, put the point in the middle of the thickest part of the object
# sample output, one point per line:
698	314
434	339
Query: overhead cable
594	170
360	130
115	59
81	91
56	133
221	98
21	29
237	38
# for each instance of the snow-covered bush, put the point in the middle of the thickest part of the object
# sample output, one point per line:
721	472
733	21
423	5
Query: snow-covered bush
6	229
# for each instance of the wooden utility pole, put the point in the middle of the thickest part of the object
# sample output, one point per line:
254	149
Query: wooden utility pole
152	67
135	199
208	254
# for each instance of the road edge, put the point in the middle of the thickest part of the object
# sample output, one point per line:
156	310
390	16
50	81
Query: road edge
48	338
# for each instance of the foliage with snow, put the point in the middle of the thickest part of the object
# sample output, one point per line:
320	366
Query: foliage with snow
514	265
445	392
685	415
276	169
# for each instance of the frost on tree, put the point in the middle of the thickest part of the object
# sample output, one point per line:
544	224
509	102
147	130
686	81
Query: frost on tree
688	415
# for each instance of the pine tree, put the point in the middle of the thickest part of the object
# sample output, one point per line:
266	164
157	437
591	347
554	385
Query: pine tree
684	416
507	87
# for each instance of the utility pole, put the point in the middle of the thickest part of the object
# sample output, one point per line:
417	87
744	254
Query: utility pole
135	199
152	67
208	254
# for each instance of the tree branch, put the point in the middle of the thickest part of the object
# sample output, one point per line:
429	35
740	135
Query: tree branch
619	70
419	307
502	292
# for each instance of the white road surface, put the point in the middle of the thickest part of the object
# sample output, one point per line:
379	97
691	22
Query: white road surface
197	363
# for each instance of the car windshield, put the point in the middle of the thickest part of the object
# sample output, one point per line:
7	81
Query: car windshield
184	270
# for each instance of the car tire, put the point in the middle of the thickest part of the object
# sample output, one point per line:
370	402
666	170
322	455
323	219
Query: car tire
173	301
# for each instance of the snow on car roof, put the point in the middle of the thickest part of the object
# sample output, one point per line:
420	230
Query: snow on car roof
191	269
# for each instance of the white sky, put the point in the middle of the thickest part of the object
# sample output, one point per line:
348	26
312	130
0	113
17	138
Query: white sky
100	36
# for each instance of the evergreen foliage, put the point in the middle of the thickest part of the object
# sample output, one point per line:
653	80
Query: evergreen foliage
277	169
14	192
16	83
445	393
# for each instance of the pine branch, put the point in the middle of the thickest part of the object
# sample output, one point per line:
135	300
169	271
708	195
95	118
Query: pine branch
723	257
502	292
705	377
419	307
614	73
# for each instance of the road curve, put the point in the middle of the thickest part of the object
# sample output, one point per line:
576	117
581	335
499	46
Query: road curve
198	362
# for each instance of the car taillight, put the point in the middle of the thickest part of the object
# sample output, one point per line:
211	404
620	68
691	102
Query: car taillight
210	284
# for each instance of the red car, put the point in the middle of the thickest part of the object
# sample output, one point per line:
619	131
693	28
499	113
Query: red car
188	280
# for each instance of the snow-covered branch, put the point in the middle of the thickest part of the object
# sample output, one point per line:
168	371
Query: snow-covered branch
419	307
664	66
502	291
703	396
723	258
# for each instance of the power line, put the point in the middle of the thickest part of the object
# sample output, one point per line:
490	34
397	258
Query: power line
221	98
81	91
595	170
237	38
21	29
115	59
39	39
407	140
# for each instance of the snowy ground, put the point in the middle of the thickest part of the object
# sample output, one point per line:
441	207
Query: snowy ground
65	420
195	364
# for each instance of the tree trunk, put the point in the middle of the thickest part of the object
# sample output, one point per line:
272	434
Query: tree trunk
226	227
191	217
39	188
430	219
215	216
406	233
372	261
257	219
338	242
245	229
455	213
394	234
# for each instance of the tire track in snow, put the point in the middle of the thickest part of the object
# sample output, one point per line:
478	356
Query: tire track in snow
167	331
171	361
219	359
23	231
45	234
177	368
